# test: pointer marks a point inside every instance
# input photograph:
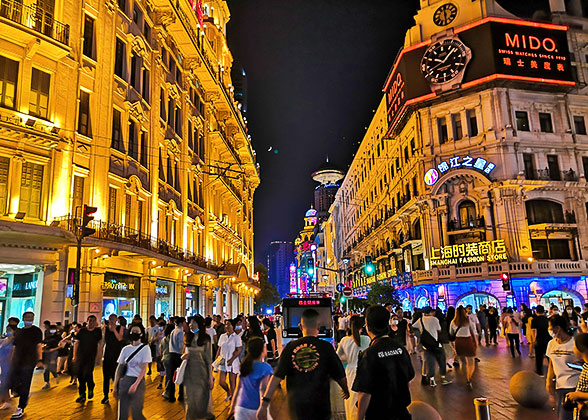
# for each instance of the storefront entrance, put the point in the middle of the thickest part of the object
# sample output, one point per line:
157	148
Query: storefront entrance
120	295
477	299
422	302
192	299
164	298
559	298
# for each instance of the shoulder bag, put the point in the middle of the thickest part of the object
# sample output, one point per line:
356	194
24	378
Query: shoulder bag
427	340
453	336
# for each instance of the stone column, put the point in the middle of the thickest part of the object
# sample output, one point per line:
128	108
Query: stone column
230	302
54	283
15	179
219	301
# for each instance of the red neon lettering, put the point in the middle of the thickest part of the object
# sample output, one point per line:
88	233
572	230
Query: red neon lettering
511	42
534	43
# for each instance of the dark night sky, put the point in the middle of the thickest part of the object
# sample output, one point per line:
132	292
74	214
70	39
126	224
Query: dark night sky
315	72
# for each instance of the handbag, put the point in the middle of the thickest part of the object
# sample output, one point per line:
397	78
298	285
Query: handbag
218	364
427	340
180	372
453	336
124	366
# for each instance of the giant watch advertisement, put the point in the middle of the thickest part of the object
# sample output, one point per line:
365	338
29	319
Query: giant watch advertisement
487	50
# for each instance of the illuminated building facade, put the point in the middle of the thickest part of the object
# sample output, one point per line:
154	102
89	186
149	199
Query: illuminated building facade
474	165
126	106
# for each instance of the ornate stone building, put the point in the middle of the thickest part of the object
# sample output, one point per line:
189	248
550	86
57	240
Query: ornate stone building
469	186
126	106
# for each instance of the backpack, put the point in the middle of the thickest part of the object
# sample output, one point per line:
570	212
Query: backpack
427	340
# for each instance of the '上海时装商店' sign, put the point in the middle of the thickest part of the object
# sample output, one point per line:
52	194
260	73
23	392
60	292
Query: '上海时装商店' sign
458	162
469	253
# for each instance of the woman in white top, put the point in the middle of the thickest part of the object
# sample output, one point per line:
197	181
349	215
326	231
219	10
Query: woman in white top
229	349
348	352
465	342
512	329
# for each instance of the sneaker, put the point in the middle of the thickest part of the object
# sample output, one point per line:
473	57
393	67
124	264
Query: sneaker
104	400
18	413
81	399
432	383
90	394
445	381
46	386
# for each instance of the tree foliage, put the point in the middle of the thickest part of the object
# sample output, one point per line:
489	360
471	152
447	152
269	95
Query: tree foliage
268	295
382	294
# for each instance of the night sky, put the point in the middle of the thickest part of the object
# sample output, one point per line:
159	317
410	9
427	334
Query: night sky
315	70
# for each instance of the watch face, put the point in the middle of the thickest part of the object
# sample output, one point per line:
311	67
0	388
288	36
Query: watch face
445	14
444	60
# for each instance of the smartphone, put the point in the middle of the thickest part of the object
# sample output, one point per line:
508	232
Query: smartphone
575	366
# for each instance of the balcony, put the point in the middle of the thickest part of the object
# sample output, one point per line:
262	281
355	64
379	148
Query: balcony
35	18
551	175
119	234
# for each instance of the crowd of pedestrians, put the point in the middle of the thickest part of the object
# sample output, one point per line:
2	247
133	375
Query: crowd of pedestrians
369	361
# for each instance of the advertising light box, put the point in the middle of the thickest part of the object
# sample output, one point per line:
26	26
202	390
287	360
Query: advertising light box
487	50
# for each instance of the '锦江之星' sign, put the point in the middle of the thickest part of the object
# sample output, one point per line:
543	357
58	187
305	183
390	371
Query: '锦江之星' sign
458	162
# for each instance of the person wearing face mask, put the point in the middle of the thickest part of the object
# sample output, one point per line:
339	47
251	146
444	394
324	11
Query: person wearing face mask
129	382
50	348
561	379
6	345
27	353
85	356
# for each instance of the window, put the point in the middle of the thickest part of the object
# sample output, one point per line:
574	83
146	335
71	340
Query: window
133	140
415	190
39	98
147	31
31	185
457	130
117	142
529	163
467	214
140	215
128	210
545	122
137	15
412	147
170	112
176	176
169	174
522	118
190	136
405	153
88	48
162	105
8	80
585	166
84	127
472	122
122	5
78	195
119	58
4	169
145	87
135	72
144	154
161	172
579	124
178	121
544	211
553	166
112	192
442	129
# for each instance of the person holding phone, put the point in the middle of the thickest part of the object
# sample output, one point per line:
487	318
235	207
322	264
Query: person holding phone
561	378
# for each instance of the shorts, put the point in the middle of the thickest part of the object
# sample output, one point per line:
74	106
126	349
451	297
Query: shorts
242	413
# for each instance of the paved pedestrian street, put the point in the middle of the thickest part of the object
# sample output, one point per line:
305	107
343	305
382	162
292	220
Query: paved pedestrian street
453	402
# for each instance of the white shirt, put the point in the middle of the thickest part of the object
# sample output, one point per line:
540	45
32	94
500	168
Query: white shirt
227	345
560	354
152	332
134	367
211	333
473	319
431	324
464	331
342	323
348	352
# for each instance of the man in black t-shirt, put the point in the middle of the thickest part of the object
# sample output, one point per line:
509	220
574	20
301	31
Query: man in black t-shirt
307	364
86	345
113	344
540	327
27	353
402	327
384	371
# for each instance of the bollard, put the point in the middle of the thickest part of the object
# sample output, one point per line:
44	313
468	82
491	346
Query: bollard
482	406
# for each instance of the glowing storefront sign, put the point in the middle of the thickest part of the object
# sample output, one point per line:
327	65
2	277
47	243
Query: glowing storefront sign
120	286
469	253
456	162
293	283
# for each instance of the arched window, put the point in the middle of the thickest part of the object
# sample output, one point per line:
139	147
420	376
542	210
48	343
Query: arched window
416	230
467	214
544	211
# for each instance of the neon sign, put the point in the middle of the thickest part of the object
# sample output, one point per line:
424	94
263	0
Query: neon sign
293	283
469	253
114	285
456	162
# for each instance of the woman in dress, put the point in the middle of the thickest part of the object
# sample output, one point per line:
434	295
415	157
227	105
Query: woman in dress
229	349
198	379
348	352
465	342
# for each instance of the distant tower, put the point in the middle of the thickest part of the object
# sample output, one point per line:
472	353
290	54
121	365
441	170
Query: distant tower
239	79
328	176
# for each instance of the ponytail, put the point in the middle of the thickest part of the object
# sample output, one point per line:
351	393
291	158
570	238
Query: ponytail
255	347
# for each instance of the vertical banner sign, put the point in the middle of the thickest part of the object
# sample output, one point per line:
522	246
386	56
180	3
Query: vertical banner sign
293	284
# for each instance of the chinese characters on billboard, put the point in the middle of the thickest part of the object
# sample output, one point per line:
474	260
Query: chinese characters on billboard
469	253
